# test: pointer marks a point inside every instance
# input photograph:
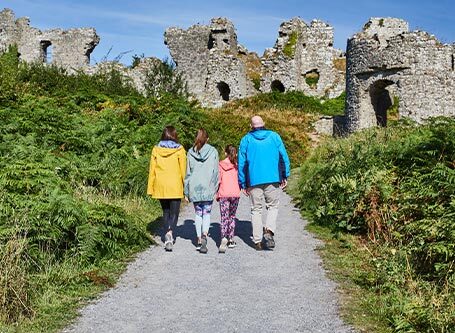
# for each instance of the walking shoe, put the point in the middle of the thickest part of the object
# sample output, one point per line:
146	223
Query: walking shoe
258	246
231	244
203	245
168	242
223	245
198	246
269	241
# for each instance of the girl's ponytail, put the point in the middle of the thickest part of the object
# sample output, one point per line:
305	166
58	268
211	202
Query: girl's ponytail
231	153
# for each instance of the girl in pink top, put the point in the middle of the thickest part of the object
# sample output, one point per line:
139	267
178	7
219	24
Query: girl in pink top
228	195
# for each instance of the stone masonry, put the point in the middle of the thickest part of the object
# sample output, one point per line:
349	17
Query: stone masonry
218	69
386	61
208	58
70	49
304	59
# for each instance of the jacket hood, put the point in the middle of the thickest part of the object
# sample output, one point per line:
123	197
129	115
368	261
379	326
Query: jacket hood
226	164
165	152
260	134
168	144
205	152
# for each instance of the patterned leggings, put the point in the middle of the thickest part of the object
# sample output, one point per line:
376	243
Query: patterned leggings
202	219
228	207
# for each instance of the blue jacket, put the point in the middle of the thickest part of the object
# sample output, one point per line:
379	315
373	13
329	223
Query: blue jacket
262	159
201	181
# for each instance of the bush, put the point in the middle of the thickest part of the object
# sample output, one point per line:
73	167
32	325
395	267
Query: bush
395	187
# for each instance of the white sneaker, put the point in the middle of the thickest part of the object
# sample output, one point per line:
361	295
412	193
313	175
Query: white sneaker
223	245
168	242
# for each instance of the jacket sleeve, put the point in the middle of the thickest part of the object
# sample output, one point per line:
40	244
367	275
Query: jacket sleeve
151	179
216	171
284	156
182	164
186	181
242	163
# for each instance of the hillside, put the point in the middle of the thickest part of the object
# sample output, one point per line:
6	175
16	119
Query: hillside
73	170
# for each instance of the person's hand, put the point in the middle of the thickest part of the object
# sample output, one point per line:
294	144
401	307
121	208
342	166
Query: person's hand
186	199
246	191
283	184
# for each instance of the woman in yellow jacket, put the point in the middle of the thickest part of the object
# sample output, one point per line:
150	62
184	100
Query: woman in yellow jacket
167	172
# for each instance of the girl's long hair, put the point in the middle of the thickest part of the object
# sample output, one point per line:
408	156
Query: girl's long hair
231	152
169	133
201	139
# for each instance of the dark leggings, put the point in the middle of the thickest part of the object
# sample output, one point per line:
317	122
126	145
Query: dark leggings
171	208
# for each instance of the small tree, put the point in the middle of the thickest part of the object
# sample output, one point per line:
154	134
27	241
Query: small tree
162	78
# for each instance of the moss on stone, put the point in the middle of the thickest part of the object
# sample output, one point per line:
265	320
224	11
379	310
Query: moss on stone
289	48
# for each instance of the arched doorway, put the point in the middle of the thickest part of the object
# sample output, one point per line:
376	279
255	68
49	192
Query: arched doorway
381	100
277	86
224	90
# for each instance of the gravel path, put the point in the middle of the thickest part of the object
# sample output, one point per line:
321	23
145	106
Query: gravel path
243	290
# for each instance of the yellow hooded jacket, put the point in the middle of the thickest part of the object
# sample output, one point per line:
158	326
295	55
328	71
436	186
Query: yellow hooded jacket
167	172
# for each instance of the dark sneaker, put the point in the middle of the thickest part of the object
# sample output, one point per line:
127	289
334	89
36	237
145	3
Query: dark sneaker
258	246
269	241
168	242
203	245
231	244
223	245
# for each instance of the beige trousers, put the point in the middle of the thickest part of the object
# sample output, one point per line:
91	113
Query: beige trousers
271	194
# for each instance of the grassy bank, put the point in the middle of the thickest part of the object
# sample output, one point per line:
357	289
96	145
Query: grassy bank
383	200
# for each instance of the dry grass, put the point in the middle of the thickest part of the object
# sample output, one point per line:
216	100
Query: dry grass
340	64
14	284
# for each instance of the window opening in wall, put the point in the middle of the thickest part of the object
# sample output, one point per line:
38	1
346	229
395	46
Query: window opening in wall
224	90
211	43
277	86
382	101
46	51
330	44
453	62
226	41
312	78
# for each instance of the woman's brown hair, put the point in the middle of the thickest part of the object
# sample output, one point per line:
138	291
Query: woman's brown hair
231	153
201	139
169	133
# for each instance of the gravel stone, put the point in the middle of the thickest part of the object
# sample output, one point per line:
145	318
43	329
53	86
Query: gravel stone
284	290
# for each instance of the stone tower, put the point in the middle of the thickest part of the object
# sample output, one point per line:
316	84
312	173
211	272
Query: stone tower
304	59
384	61
208	58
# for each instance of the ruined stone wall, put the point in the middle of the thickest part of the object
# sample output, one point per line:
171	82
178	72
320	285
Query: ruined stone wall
70	49
218	69
304	59
384	61
208	58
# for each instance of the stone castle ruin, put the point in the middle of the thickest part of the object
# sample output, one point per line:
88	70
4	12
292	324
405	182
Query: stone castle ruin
219	69
384	63
67	48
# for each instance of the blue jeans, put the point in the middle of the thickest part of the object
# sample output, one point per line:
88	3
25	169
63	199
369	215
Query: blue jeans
202	219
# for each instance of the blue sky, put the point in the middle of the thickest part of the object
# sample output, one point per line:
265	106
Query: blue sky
137	27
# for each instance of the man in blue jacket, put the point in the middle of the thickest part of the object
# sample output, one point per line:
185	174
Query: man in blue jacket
263	169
